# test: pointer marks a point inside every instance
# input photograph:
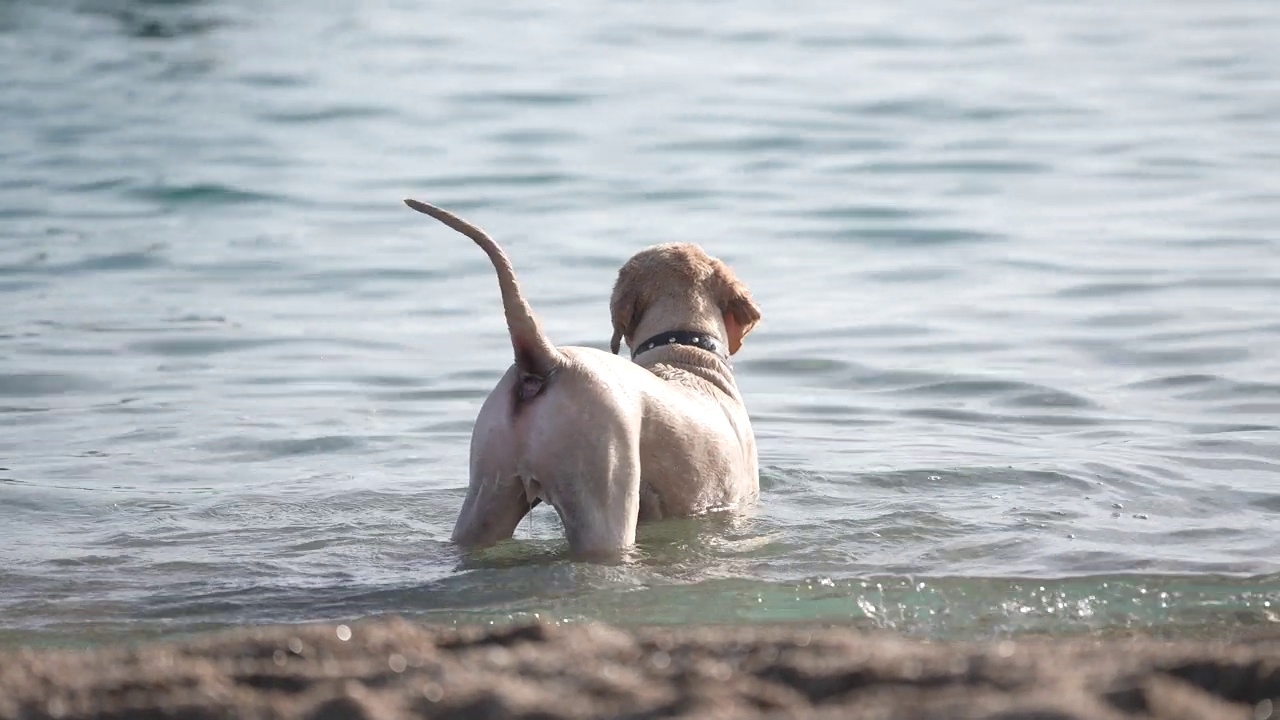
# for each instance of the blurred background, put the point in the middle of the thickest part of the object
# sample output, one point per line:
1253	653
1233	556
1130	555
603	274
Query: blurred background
1018	262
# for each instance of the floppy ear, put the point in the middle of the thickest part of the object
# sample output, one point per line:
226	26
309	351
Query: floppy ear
623	309
740	312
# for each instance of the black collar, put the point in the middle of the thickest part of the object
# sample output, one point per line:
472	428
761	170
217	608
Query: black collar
682	337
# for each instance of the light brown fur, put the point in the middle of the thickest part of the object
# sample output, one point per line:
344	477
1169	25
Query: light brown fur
609	442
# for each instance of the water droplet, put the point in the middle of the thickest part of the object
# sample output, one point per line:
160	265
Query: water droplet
660	659
344	633
295	645
397	663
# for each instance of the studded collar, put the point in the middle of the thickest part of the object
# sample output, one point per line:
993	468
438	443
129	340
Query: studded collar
682	337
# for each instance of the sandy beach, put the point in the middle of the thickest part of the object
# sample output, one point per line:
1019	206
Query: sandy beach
390	668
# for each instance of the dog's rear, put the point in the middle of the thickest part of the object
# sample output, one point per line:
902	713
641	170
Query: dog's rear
602	439
537	438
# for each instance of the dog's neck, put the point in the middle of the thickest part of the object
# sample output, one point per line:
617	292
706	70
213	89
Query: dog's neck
688	313
697	326
690	360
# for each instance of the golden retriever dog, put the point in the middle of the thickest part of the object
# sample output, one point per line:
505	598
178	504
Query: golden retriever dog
605	441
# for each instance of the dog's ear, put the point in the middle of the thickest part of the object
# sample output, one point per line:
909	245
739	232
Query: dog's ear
740	312
624	308
615	343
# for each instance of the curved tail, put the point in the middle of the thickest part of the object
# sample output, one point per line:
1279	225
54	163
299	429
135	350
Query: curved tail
535	355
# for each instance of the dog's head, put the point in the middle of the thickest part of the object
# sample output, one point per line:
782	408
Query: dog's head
684	275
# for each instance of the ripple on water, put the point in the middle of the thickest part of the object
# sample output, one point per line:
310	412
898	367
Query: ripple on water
33	385
908	236
243	449
207	194
40	264
205	346
157	23
326	113
1005	392
524	100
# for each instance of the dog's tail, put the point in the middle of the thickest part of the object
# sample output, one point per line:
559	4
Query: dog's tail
535	355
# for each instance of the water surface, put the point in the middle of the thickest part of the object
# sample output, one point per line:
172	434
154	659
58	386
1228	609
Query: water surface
1018	263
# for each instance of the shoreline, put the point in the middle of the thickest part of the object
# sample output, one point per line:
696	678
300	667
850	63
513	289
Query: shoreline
389	668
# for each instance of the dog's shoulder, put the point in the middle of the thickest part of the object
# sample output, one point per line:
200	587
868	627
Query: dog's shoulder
697	379
678	376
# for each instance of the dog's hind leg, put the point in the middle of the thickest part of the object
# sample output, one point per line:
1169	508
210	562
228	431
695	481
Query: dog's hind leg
591	475
496	500
495	505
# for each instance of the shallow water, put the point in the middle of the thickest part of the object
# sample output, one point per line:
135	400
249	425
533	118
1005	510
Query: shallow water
1019	265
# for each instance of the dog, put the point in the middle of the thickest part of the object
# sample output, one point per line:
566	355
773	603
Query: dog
608	442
